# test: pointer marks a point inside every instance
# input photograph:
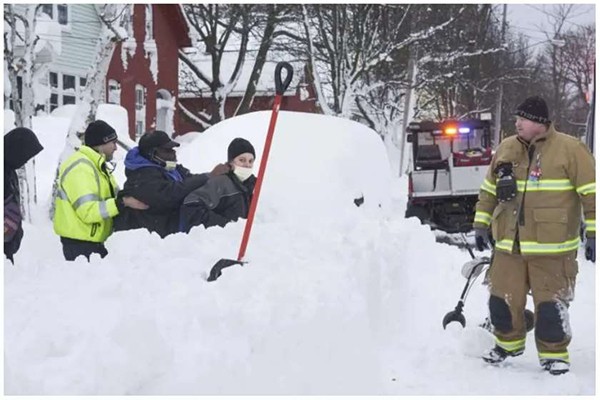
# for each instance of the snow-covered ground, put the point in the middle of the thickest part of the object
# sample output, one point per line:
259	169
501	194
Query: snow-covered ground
336	299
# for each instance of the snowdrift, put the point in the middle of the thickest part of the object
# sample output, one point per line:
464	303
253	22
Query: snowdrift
336	299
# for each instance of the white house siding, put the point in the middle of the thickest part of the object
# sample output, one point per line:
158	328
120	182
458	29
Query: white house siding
79	40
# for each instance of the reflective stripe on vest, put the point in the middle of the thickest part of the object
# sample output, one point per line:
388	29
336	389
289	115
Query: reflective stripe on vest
539	248
81	160
546	185
542	185
483	217
104	210
584	190
590	225
488	187
85	199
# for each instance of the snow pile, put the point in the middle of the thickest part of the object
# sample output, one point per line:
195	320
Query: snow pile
297	183
335	300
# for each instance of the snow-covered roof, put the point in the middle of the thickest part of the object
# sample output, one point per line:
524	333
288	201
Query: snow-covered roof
266	82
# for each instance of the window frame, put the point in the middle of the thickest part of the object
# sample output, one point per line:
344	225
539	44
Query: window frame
140	109
60	92
108	91
66	26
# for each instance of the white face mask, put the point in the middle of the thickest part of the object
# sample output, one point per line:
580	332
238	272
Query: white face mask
242	173
170	165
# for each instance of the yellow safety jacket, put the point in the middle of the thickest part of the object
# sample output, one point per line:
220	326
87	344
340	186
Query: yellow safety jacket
85	203
556	182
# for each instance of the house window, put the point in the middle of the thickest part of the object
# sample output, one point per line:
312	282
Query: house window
57	12
82	82
149	23
114	92
53	80
139	128
68	82
53	101
48	9
64	89
139	97
140	110
63	14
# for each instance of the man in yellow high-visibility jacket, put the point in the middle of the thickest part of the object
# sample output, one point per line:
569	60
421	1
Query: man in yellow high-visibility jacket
532	197
87	195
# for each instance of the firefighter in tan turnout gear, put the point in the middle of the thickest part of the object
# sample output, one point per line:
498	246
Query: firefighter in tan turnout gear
537	188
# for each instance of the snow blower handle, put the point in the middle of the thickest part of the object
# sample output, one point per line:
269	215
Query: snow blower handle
281	87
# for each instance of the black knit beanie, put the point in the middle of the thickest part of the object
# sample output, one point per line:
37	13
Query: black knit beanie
99	132
534	108
239	146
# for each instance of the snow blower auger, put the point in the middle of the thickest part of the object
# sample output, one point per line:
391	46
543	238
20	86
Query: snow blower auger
471	270
474	267
280	88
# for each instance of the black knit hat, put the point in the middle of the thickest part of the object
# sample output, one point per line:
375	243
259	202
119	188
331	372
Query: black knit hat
152	140
239	146
99	132
534	108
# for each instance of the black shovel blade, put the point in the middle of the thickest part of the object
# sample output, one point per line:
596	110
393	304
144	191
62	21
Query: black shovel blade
223	263
454	316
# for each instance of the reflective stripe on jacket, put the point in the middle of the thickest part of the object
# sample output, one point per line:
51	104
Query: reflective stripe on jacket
85	204
553	199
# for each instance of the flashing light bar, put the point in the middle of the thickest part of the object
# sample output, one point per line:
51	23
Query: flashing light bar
464	130
450	131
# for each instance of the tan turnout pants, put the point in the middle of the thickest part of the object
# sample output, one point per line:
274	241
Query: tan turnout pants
551	280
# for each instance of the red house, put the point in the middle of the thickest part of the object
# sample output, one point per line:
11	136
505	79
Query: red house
300	96
143	73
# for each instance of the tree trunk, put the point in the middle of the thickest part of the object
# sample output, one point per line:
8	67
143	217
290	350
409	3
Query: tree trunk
259	63
90	98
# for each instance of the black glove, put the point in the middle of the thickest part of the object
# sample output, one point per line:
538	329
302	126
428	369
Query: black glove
119	201
506	186
590	249
482	239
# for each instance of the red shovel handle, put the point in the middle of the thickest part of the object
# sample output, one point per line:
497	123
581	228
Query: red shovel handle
280	88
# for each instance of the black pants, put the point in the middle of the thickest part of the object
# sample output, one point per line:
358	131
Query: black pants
73	248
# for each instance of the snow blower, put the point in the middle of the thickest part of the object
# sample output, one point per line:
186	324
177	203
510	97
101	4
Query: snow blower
280	88
471	270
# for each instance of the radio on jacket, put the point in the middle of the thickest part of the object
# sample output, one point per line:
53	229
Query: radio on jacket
506	185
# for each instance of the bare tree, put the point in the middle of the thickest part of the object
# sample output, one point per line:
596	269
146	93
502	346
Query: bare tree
22	48
350	47
115	20
218	28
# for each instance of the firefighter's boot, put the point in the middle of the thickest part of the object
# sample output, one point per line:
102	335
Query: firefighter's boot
498	354
556	367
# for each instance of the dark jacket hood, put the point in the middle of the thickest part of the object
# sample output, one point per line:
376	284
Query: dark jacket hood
134	160
20	145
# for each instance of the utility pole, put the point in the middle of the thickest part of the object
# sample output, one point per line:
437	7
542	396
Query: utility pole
498	113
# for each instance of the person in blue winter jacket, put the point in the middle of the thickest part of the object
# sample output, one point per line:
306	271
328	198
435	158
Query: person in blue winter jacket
155	178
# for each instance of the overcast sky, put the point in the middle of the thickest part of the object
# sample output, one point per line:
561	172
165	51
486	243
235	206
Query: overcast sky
533	20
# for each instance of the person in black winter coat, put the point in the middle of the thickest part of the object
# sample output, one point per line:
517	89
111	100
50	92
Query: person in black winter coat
224	198
155	178
20	145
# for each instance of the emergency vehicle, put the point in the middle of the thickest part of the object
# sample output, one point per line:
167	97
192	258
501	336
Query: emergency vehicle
449	162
